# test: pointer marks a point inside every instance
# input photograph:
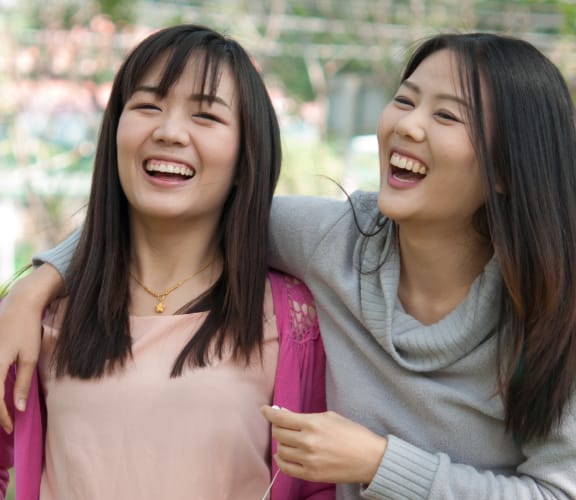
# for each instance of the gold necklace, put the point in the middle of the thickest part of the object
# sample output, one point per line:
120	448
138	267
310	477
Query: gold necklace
161	296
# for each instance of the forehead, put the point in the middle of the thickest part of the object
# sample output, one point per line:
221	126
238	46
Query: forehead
438	71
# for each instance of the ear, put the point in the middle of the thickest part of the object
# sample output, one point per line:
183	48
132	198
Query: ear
500	187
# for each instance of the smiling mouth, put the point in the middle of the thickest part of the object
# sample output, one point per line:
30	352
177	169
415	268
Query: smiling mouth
407	169
168	170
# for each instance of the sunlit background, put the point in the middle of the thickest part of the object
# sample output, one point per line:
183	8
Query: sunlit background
330	66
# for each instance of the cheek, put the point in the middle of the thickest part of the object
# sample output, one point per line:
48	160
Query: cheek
386	123
471	188
228	157
122	158
124	152
384	131
124	173
454	149
123	135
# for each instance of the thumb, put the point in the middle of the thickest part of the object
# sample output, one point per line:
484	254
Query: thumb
281	417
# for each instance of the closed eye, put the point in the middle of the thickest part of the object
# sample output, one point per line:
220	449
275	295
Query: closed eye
145	105
203	115
403	101
446	115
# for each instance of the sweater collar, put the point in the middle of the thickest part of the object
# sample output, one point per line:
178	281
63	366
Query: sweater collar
415	346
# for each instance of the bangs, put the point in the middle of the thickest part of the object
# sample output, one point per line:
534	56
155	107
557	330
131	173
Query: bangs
207	61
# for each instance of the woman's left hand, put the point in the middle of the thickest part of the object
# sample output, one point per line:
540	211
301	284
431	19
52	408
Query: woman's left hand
324	447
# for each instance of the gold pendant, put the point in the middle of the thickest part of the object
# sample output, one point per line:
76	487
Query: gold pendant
159	307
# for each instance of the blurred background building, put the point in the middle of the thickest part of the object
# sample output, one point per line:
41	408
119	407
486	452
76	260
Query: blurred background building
330	66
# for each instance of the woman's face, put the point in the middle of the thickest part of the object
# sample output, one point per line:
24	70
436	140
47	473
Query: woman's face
428	167
176	154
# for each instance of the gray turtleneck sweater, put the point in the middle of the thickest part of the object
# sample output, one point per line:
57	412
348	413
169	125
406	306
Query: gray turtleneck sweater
429	389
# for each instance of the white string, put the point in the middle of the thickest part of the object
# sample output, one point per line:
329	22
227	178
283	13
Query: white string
267	492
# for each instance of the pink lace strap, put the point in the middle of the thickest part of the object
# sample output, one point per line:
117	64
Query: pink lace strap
293	299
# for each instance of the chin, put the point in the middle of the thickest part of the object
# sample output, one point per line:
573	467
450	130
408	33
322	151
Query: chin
385	207
387	202
392	209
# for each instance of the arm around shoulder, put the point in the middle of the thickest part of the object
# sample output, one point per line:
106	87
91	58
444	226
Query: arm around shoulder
20	332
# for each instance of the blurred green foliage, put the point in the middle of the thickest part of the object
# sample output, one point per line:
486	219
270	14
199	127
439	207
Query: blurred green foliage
10	494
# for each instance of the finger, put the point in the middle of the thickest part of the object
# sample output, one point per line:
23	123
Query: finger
5	420
290	454
287	437
24	375
292	469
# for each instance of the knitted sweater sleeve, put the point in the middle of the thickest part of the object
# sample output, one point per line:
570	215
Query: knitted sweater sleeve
295	230
410	473
59	256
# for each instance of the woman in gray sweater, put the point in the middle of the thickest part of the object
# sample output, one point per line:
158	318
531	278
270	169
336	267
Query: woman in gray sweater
447	300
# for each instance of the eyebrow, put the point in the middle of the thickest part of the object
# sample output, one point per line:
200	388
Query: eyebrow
192	97
412	86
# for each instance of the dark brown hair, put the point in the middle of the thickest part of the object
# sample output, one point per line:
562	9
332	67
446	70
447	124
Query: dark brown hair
95	335
522	125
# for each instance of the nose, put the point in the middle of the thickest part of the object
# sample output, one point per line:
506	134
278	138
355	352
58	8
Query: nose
172	130
411	126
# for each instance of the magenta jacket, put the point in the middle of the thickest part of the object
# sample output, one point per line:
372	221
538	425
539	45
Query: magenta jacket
299	386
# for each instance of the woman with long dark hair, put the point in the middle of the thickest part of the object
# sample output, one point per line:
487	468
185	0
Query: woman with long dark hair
172	333
450	322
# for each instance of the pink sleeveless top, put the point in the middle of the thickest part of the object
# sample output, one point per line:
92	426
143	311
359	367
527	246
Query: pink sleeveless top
139	434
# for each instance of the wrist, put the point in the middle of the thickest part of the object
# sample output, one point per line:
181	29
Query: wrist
374	457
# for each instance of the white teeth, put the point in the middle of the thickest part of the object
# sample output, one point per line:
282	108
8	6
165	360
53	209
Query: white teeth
169	168
408	164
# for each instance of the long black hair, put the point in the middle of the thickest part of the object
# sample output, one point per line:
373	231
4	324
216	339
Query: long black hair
522	125
95	335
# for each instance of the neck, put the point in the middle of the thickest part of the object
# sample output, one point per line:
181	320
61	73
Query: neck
438	268
162	258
